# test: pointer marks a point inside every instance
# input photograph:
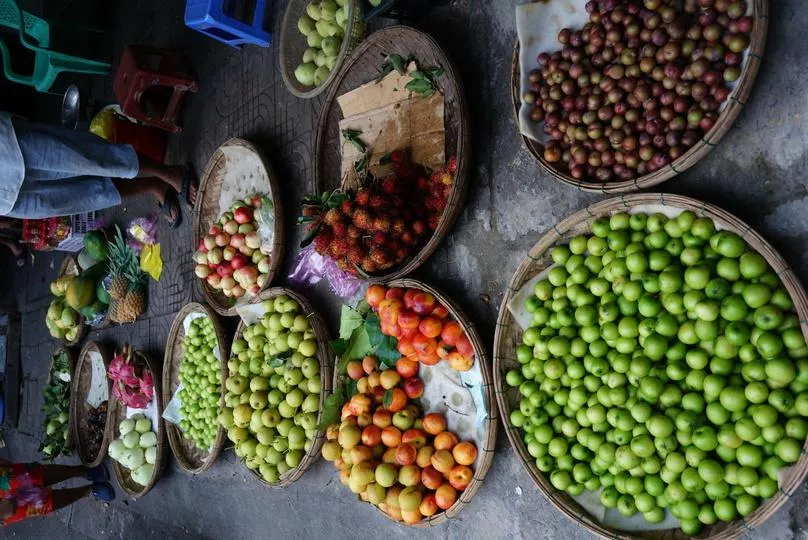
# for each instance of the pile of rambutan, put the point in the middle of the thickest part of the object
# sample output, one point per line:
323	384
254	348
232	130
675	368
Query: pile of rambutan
384	222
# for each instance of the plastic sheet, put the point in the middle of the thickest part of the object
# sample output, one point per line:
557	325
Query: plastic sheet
311	267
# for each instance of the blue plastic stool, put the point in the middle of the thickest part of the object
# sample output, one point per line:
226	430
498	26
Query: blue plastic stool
209	18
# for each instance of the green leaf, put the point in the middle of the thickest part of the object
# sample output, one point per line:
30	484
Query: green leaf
417	74
350	388
385	159
310	237
362	164
435	71
351	133
311	200
397	61
419	86
339	346
358	347
279	360
332	408
302	220
362	307
336	200
373	326
387	352
350	320
388	398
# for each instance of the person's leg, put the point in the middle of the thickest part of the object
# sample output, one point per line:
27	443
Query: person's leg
54	474
66	497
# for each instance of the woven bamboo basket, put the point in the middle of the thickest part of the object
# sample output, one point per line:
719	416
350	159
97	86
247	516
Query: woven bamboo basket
206	212
71	268
79	408
117	411
191	458
509	336
71	359
486	453
323	356
364	66
732	108
293	43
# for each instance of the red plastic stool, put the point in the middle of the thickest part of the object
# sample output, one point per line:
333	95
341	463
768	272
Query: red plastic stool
151	83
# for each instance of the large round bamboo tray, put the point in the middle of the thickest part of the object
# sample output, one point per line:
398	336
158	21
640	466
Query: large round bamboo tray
71	268
364	66
293	43
206	212
486	452
732	108
117	410
508	338
323	356
191	458
79	408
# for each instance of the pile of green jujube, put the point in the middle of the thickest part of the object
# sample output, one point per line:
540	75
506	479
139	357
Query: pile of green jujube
200	394
664	366
273	391
323	25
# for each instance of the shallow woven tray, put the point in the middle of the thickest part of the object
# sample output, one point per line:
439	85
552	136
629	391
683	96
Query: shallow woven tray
491	421
363	66
71	267
508	338
293	43
117	411
79	409
732	107
206	212
323	356
192	459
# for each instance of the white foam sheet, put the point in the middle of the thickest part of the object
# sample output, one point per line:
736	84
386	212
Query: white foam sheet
99	388
590	500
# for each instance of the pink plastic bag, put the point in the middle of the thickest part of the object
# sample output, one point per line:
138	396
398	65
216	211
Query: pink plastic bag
310	267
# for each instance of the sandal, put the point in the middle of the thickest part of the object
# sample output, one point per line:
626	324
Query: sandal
171	209
103	491
190	183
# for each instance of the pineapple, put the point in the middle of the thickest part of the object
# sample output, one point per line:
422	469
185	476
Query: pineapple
127	288
133	304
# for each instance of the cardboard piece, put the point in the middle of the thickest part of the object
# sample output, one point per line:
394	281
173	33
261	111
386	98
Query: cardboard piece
389	118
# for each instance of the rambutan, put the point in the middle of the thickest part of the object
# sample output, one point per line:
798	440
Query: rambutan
309	211
343	264
399	226
338	247
398	156
362	197
322	243
379	256
389	185
452	165
353	232
434	221
340	229
379	239
369	266
377	201
362	219
356	254
347	207
381	223
419	227
423	184
401	254
408	238
396	201
332	216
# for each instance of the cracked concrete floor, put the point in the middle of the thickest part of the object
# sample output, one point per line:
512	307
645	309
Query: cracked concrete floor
758	172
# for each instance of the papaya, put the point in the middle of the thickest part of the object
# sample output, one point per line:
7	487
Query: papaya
80	292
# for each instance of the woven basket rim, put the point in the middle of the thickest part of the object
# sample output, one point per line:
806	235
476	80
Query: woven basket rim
734	104
323	348
214	299
116	409
481	355
462	151
70	264
176	335
353	23
507	329
74	404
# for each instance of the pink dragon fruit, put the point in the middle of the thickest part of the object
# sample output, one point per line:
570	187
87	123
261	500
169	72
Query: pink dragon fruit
133	384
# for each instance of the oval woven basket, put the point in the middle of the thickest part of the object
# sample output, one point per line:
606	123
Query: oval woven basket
732	107
486	453
117	411
70	267
293	44
79	408
323	356
191	458
206	212
509	336
364	66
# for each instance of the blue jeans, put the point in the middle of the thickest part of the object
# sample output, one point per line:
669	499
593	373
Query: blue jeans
69	172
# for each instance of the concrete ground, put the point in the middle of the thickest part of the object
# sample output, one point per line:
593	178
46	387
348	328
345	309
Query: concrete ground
758	172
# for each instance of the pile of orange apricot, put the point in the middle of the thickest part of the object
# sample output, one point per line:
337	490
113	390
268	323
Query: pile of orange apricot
422	326
392	454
